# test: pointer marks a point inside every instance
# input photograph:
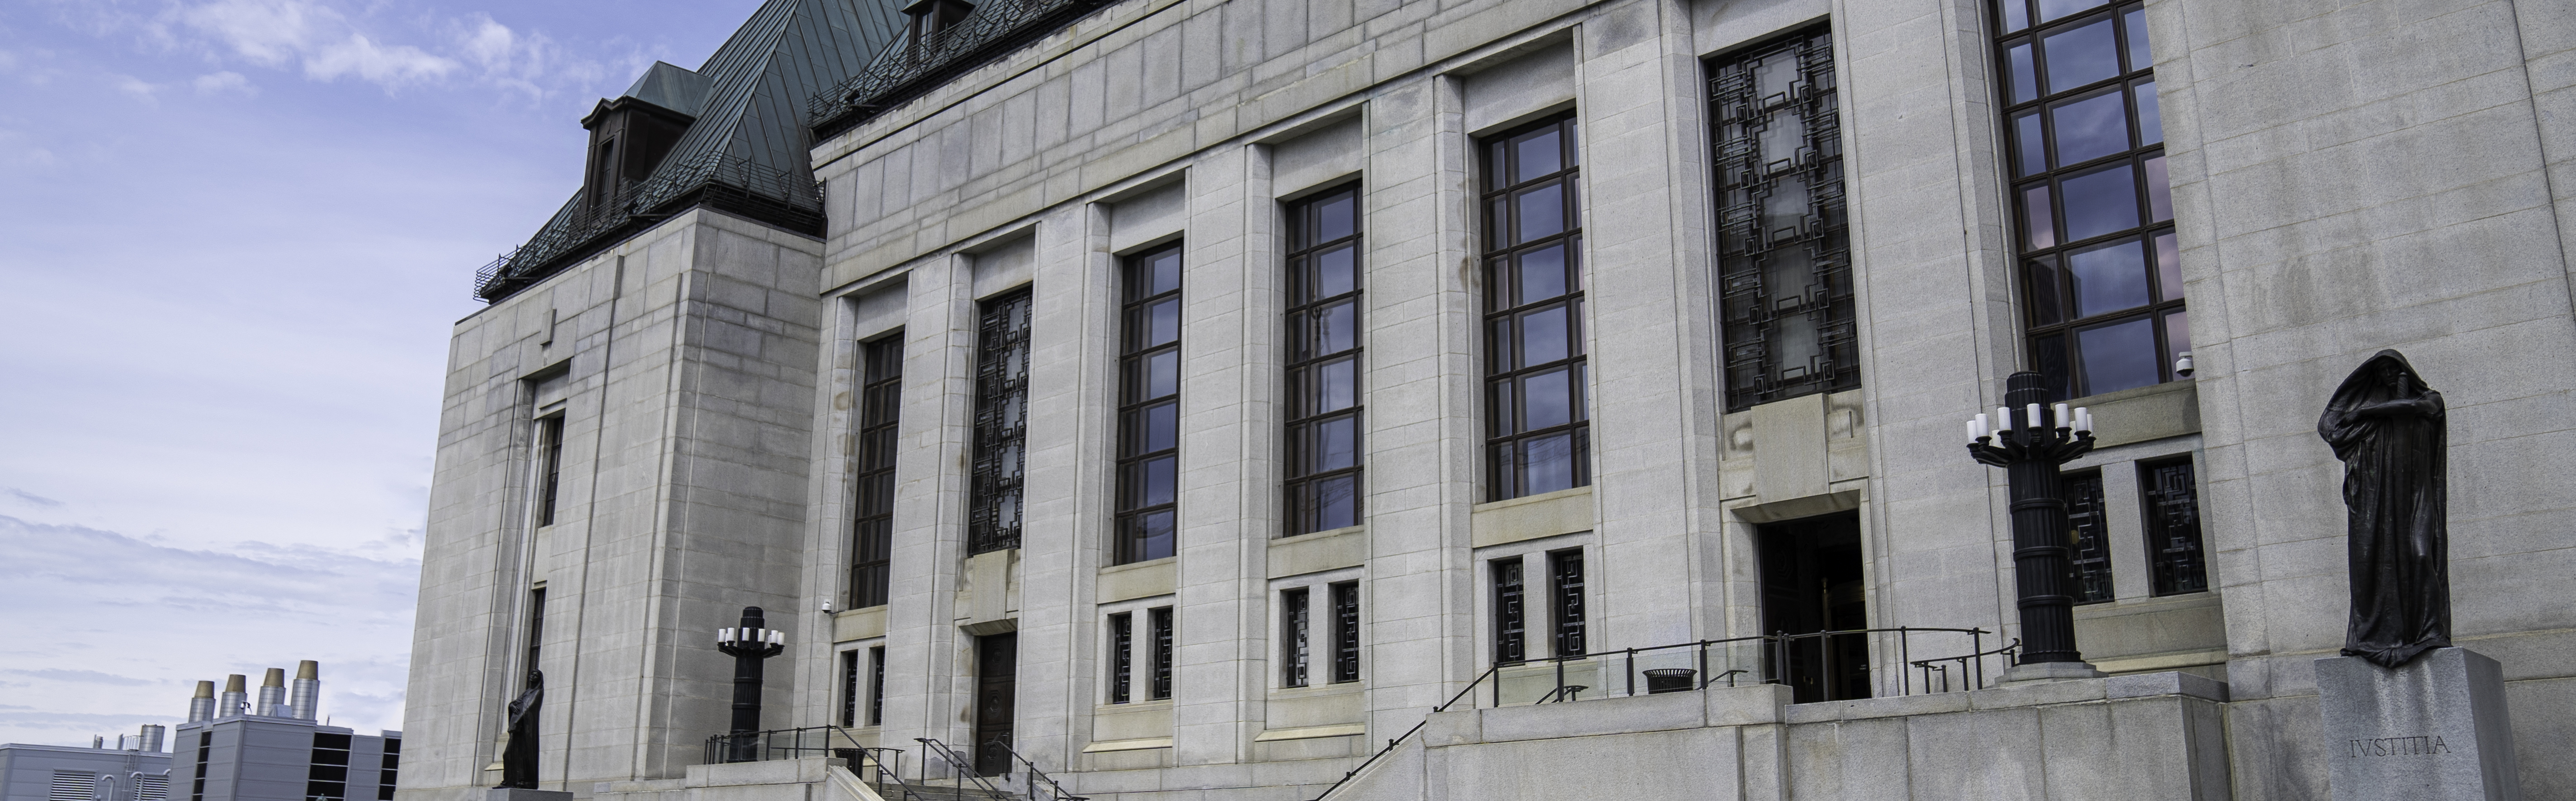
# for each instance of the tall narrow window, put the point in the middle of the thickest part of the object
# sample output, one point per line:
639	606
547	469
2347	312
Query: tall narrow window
876	685
327	772
1160	619
550	433
1149	407
879	411
1346	631
2173	528
1535	408
1784	253
1565	599
2101	285
1324	362
1001	422
1510	621
872	529
849	689
205	751
536	628
2091	538
1292	637
1122	656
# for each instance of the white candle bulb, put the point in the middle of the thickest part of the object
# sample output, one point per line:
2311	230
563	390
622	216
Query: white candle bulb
2058	413
1983	427
2034	419
2083	419
2003	419
1973	433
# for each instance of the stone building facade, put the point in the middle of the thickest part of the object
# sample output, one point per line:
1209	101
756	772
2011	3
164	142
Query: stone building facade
1193	394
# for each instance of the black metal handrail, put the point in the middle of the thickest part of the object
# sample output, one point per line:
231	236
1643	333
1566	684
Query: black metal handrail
1463	692
1055	792
793	744
959	764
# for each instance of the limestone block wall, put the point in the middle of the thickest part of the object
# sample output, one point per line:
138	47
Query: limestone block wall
681	363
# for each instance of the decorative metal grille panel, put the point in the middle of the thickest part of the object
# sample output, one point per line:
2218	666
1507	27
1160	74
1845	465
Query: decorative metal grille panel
1509	621
1001	423
1565	569
1784	254
2091	539
1346	631
1293	608
2173	528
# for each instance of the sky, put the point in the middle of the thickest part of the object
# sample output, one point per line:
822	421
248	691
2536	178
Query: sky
234	235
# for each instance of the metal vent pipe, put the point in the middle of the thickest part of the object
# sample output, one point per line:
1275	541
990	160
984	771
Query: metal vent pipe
202	706
272	694
234	698
308	689
152	733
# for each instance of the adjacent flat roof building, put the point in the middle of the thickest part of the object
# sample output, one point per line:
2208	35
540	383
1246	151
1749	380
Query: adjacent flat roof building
1185	398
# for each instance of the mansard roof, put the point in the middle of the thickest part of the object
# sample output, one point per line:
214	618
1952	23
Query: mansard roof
909	68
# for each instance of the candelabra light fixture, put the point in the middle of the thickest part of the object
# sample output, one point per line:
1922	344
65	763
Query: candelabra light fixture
2031	437
751	645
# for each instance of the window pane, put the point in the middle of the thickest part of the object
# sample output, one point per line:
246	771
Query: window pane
1547	397
1334	271
2038	222
1162	426
1336	218
1337	503
1549	464
2024	78
1337	444
1336	328
2168	267
1159	480
2151	117
2016	15
2047	298
1539	212
2080	56
2032	145
2090	128
2177	335
2100	202
1542	336
1167	272
2048	357
2119	356
1162	323
2139	57
1503	415
2050	10
2108	277
1542	274
1162	374
1336	386
1539	154
2159	195
1153	535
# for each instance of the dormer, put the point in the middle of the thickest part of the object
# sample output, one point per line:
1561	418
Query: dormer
631	133
933	16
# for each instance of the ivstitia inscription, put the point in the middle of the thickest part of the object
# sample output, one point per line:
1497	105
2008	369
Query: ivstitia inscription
2395	746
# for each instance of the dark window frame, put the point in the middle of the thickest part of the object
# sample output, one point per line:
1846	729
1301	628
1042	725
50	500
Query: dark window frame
1122	657
1510	610
880	422
1757	259
1295	649
550	436
2089	552
1001	423
1159	623
1345	598
2169	505
536	630
1511	241
850	689
876	685
1308	479
1142	416
2053	324
1565	583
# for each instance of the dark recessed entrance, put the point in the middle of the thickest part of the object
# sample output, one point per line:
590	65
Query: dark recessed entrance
1811	582
997	661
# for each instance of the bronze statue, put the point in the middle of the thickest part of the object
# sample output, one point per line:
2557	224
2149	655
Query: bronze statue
2387	427
519	759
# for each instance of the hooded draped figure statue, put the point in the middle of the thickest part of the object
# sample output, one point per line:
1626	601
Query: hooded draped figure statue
519	758
2387	427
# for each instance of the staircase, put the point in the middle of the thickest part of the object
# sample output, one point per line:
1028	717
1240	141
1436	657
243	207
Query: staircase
948	792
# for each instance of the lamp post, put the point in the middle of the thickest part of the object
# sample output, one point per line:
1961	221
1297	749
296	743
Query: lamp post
2030	438
749	644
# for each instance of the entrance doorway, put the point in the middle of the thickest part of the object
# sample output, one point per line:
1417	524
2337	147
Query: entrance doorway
1811	582
997	661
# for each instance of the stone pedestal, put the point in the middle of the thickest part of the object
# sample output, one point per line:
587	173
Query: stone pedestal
2433	730
2049	671
523	794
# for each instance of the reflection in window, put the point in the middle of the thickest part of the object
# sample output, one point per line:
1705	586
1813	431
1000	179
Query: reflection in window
1784	264
1001	422
2090	539
2101	285
1149	407
1324	450
1537	420
2173	528
1346	631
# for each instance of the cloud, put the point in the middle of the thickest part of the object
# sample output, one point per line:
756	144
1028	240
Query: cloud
387	65
268	32
81	677
226	81
28	497
138	88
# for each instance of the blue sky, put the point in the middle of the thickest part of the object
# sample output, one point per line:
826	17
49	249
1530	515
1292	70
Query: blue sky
233	237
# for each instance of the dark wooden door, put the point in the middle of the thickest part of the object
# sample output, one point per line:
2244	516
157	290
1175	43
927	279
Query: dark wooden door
1811	582
997	658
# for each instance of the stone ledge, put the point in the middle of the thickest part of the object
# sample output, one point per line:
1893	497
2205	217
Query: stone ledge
1138	744
1312	732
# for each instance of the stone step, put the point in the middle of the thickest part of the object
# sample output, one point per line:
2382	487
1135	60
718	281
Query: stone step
941	791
